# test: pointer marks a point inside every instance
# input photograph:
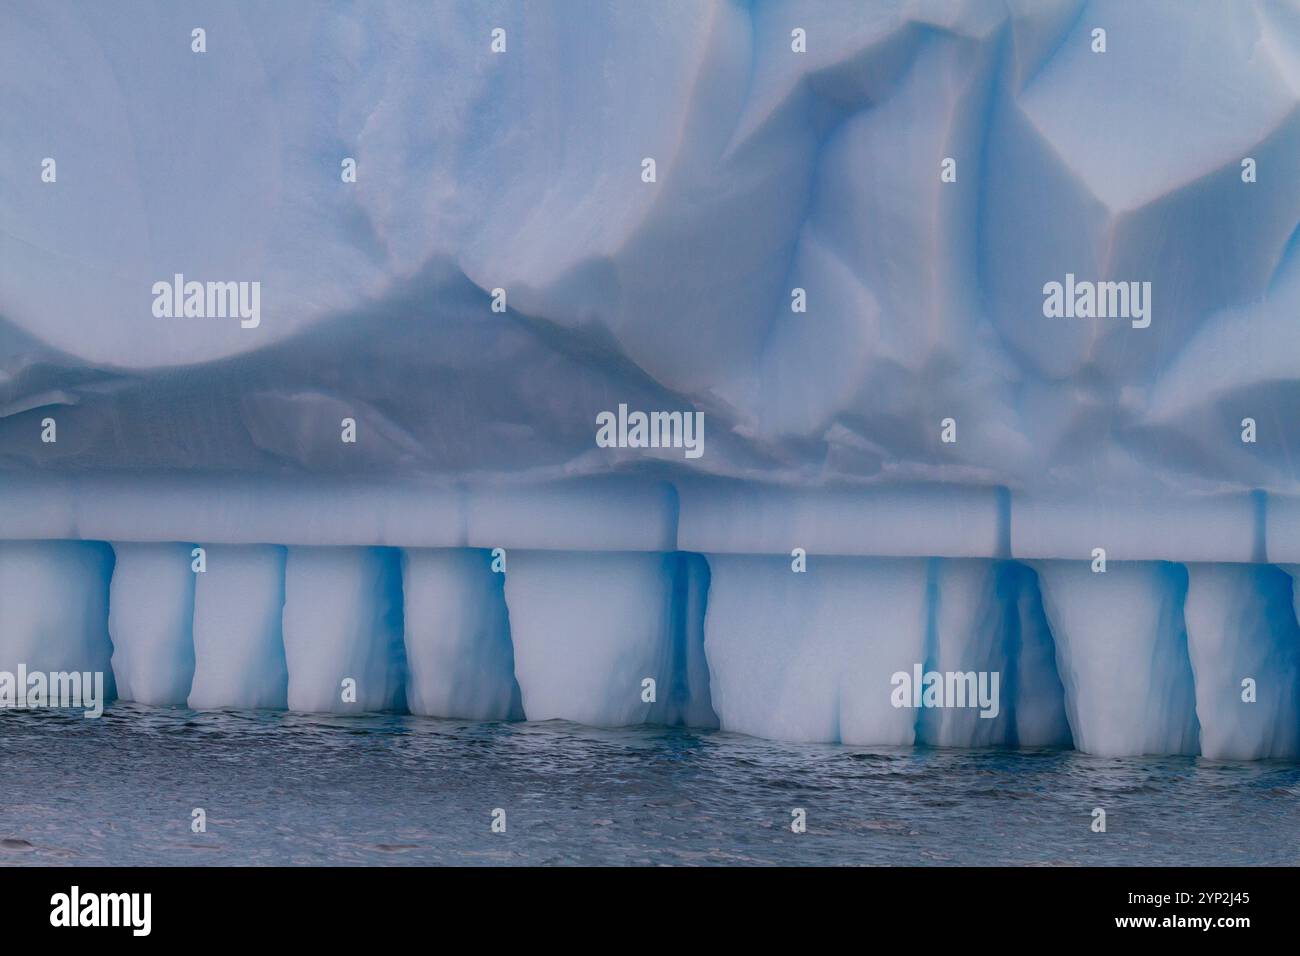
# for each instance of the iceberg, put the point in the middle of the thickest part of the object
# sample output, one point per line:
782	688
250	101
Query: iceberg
151	622
342	629
239	648
460	659
981	314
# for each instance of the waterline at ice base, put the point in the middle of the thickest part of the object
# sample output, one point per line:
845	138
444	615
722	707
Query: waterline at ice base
878	374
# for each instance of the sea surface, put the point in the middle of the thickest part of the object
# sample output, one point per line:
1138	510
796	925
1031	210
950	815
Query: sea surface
280	788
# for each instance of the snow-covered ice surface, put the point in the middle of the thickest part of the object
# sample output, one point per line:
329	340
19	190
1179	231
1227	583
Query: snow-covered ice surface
781	176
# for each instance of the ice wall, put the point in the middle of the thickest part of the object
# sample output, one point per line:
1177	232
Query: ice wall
813	655
460	659
839	261
981	620
598	640
1138	658
690	697
342	625
1121	646
54	607
239	658
1245	652
151	622
1035	683
809	656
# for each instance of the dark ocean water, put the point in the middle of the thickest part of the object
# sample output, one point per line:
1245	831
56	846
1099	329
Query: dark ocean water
283	788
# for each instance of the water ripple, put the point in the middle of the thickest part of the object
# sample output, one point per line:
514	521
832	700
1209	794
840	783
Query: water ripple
402	790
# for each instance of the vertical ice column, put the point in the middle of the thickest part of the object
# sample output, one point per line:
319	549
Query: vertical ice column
343	622
809	656
689	702
1040	718
589	628
151	620
1241	625
54	607
969	638
238	650
459	658
1122	652
988	635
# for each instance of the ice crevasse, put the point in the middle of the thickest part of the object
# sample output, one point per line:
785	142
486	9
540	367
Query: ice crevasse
839	256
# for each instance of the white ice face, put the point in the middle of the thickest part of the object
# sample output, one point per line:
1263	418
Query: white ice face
949	297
